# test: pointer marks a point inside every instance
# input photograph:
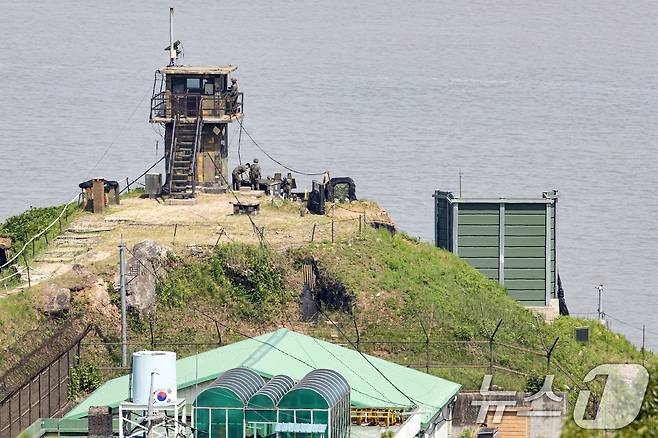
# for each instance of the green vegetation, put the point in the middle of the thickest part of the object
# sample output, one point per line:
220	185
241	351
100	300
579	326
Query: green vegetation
21	228
84	378
245	279
403	288
398	288
18	316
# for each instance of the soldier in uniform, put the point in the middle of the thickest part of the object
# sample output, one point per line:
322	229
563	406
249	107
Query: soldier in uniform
254	175
233	96
236	175
287	185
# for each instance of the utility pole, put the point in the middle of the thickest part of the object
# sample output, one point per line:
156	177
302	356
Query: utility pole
122	285
599	310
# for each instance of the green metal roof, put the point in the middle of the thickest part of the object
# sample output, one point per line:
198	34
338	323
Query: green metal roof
328	384
283	351
269	395
234	388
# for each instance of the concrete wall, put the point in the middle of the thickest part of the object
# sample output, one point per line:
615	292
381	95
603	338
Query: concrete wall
540	424
410	428
441	427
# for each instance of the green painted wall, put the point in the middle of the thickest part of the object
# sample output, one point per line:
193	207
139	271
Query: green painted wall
524	242
477	230
525	238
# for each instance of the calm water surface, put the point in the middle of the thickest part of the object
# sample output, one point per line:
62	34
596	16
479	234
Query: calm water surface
522	97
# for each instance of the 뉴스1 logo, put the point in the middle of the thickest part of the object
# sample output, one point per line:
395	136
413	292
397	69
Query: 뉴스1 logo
622	396
620	403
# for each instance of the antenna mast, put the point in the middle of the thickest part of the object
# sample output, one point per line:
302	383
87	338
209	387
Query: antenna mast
172	49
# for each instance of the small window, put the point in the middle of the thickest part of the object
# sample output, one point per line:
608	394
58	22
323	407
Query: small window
179	85
208	86
193	84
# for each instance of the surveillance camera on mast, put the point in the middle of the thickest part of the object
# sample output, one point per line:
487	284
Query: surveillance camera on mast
177	51
174	48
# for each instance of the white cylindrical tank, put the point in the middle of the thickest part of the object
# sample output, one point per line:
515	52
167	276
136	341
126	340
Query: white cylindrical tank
162	364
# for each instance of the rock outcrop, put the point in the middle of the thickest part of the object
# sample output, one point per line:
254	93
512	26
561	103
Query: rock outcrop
143	268
56	301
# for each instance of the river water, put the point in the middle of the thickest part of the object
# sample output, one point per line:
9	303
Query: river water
521	96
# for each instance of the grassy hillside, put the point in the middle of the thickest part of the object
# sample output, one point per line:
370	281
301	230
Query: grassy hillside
394	296
396	289
403	288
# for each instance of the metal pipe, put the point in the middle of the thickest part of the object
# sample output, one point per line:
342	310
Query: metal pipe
599	310
122	285
172	50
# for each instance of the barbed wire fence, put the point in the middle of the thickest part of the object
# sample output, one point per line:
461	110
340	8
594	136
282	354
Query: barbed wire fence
419	354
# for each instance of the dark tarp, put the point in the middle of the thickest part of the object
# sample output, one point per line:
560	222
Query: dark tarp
564	311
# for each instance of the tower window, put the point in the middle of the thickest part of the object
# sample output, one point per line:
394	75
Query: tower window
208	86
193	84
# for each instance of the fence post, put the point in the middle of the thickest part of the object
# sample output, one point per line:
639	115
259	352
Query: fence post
127	185
175	231
122	288
359	225
151	330
643	350
356	329
491	347
427	347
332	230
548	355
313	233
219	334
29	280
427	333
221	233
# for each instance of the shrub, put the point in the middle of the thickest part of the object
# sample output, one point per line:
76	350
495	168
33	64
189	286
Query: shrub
84	379
244	277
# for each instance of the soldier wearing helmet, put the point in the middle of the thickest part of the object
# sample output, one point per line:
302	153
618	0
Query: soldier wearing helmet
237	175
254	174
233	96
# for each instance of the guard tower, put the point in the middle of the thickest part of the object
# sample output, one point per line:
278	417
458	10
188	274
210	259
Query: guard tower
195	105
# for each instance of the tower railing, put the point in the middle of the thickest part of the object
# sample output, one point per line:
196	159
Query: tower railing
172	151
197	136
164	105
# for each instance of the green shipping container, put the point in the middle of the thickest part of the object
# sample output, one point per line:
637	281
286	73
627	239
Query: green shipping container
508	240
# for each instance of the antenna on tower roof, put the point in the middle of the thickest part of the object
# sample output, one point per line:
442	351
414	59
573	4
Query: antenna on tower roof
175	48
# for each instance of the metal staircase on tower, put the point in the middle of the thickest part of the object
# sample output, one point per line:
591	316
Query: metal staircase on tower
182	172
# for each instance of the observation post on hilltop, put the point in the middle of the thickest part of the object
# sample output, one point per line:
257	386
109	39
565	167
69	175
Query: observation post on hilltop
195	104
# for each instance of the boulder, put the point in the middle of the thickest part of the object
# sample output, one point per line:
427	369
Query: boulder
56	300
97	294
79	279
142	270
